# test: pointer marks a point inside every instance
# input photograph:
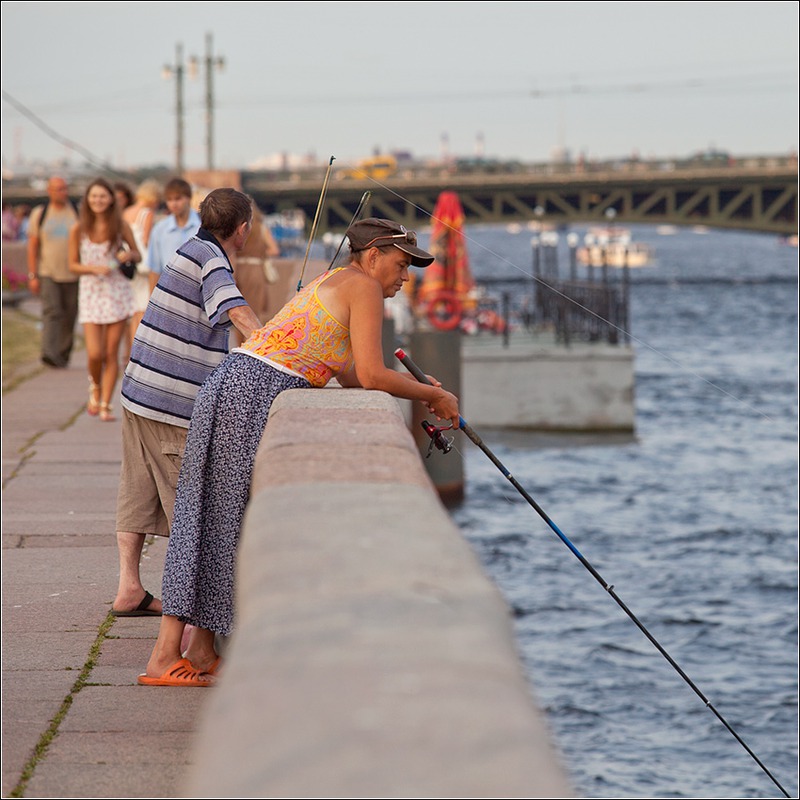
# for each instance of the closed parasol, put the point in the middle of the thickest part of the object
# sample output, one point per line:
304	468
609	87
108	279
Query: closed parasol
447	283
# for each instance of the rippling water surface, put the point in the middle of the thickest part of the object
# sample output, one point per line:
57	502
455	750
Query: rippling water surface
693	521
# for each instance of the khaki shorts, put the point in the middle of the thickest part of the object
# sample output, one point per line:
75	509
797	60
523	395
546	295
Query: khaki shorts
151	462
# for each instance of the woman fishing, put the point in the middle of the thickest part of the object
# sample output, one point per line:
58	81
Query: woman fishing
330	329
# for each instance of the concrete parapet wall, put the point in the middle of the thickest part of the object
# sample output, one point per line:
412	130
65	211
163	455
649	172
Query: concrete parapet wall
371	657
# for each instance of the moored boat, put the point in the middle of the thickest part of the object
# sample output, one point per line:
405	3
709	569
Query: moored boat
613	247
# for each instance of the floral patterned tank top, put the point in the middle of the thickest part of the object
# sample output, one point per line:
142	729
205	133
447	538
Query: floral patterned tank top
304	338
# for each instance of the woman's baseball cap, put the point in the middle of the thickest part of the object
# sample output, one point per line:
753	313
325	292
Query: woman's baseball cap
374	232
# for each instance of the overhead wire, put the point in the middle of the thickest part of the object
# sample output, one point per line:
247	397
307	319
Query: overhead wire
53	134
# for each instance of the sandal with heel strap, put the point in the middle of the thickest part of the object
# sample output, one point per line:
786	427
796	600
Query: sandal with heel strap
181	673
106	412
93	404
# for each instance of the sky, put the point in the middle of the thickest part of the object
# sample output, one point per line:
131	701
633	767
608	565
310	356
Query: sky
301	80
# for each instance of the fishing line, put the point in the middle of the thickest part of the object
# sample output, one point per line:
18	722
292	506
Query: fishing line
409	364
364	199
574	302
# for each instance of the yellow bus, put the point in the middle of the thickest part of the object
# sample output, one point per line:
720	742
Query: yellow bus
378	167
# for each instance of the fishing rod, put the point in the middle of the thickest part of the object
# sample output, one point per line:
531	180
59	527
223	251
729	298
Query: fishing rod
364	198
322	194
440	441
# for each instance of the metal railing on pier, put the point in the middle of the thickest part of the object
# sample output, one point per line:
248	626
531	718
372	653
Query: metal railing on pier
589	307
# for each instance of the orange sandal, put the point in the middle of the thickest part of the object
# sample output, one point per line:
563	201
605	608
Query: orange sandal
215	667
181	673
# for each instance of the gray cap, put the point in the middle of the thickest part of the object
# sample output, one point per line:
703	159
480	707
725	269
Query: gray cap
374	232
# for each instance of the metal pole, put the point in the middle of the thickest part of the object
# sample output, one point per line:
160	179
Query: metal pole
535	290
179	163
626	298
209	106
572	243
211	63
506	318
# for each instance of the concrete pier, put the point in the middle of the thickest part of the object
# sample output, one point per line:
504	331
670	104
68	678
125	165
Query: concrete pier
536	384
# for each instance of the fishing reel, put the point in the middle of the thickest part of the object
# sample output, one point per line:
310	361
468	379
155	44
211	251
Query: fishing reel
438	439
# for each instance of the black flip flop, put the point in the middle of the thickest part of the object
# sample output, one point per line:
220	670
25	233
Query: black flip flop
142	610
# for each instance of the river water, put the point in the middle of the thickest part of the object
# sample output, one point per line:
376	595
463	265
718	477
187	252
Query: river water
694	521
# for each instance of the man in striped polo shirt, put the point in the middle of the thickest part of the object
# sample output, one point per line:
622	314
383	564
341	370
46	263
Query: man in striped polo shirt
180	340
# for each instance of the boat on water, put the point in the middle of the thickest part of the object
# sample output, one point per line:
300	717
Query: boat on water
613	247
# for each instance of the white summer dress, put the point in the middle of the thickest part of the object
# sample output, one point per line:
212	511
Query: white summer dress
102	299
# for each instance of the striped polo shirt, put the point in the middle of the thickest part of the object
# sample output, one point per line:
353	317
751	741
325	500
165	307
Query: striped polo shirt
183	334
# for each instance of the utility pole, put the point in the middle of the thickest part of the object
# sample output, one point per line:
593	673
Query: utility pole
176	71
210	64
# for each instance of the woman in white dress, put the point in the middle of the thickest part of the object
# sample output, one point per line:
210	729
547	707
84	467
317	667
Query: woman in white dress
98	243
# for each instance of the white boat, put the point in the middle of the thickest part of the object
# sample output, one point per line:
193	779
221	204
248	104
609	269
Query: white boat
613	247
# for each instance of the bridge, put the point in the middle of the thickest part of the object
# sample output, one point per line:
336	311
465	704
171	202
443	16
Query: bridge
756	193
758	196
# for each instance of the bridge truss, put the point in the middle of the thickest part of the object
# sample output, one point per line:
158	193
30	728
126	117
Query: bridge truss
759	200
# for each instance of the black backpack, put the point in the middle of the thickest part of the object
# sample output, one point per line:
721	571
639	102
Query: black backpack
46	208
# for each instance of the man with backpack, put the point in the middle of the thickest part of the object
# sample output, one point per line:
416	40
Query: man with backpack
48	272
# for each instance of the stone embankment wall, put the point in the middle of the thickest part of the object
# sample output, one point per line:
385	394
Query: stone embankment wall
372	656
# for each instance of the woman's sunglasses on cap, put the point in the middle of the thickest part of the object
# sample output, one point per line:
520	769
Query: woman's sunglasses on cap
409	236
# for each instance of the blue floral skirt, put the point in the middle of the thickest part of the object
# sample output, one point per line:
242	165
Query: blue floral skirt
228	420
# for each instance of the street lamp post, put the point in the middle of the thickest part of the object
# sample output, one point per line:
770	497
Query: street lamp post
177	71
210	64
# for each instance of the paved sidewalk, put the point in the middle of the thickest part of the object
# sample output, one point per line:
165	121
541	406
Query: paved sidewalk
75	722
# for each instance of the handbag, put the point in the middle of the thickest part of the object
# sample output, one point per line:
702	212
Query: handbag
128	269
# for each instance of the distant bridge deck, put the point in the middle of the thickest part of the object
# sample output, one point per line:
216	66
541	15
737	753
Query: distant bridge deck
757	194
760	198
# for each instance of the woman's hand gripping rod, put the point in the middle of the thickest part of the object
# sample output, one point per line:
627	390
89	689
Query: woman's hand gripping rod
433	431
438	439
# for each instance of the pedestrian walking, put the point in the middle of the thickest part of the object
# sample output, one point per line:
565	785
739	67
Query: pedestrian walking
49	275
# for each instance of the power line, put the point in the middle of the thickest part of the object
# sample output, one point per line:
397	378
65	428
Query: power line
56	136
732	83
